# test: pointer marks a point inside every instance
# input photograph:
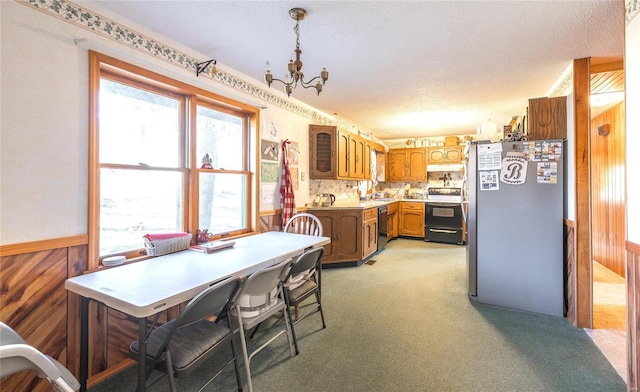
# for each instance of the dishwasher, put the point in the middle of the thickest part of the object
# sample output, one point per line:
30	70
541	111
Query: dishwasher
382	227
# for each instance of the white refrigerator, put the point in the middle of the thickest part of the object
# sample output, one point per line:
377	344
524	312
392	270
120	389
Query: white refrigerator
515	230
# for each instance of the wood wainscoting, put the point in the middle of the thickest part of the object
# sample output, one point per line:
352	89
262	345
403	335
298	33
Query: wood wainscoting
633	315
270	221
34	302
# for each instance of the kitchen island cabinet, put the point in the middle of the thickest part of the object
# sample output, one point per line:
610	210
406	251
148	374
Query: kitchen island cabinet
344	227
353	233
411	219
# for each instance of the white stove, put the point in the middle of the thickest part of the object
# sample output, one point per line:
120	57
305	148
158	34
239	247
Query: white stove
445	194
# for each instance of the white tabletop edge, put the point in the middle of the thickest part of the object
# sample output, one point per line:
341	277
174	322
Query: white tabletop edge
147	287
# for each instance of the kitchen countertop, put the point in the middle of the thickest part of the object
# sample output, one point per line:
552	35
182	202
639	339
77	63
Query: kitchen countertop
371	204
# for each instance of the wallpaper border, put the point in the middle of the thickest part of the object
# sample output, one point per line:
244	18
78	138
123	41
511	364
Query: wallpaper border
119	33
632	8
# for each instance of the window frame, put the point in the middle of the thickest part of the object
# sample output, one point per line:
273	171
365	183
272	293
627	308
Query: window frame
191	97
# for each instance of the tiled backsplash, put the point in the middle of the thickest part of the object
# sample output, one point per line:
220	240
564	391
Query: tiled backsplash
344	191
347	191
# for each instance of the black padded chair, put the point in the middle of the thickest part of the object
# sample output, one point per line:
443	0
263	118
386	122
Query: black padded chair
179	346
260	298
16	356
302	283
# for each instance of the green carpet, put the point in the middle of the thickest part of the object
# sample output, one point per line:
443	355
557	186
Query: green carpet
405	323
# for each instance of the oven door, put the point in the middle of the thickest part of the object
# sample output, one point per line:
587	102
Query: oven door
443	215
443	223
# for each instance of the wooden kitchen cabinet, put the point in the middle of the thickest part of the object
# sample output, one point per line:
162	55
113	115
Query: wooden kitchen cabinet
547	118
342	154
344	227
392	220
368	149
337	155
411	219
323	157
353	233
447	154
407	164
370	232
356	157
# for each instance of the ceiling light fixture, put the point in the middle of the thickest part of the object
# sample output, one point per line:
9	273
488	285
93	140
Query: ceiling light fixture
295	74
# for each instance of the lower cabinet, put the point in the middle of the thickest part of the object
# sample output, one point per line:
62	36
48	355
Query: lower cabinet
370	237
411	219
392	220
353	233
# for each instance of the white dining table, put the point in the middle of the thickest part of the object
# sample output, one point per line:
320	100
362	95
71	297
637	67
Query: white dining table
145	288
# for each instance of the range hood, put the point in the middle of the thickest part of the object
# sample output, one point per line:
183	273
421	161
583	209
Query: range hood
446	167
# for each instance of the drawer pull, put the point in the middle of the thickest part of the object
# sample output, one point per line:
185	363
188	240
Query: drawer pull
444	231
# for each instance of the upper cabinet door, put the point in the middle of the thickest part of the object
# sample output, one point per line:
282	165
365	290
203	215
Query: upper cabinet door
547	118
417	164
356	157
343	155
397	165
322	157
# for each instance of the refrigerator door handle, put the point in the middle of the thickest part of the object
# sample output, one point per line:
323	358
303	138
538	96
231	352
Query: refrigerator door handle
465	185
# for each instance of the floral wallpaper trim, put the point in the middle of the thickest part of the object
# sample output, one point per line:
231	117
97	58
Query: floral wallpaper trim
89	20
565	87
632	7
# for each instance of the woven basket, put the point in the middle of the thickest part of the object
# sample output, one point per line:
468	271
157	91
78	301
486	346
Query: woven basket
170	245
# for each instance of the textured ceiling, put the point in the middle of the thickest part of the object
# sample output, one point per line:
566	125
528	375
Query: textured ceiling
398	69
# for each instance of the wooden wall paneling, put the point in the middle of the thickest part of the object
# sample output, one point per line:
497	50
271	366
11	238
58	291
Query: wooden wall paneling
97	338
633	315
76	264
607	189
122	329
270	221
570	272
33	302
582	118
619	171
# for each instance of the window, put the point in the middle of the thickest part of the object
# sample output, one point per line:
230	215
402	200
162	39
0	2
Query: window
156	167
222	194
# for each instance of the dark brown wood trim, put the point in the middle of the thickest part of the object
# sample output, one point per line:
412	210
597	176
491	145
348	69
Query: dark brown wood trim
37	246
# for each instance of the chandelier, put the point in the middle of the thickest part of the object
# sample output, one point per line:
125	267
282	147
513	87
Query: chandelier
294	68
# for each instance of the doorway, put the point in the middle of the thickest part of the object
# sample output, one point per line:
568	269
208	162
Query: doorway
607	196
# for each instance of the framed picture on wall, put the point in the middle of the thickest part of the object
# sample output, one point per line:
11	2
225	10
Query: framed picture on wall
268	172
293	153
268	150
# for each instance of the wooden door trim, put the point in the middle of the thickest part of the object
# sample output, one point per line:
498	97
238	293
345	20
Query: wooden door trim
582	118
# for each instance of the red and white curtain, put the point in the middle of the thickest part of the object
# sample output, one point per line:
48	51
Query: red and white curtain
287	198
